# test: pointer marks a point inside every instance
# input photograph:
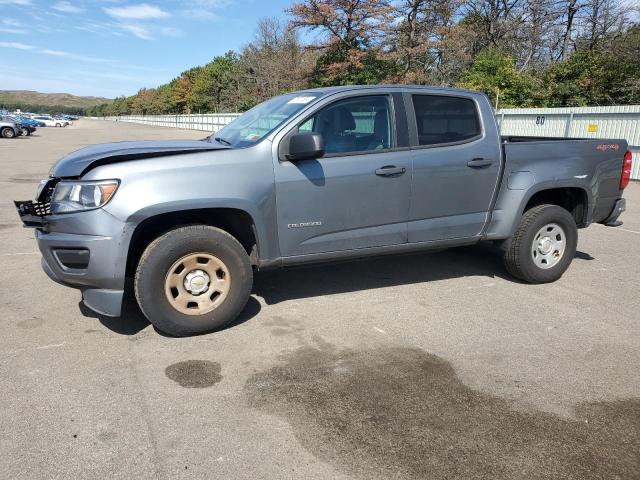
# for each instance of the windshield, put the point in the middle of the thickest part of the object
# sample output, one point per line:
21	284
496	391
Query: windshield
255	124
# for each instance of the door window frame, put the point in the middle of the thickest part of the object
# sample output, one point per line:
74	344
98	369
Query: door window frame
412	120
396	108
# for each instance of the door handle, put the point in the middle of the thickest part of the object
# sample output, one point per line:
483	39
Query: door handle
390	171
479	162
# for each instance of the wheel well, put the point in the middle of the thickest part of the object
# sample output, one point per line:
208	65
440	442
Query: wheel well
571	199
236	222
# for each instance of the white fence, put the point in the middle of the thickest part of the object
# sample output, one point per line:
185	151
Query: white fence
576	122
208	122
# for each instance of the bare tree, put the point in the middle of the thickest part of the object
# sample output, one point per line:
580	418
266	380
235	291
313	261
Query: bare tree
600	19
275	61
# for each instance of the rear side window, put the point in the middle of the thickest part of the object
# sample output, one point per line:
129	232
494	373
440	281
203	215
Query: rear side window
444	119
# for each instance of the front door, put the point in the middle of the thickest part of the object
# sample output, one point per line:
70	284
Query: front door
357	194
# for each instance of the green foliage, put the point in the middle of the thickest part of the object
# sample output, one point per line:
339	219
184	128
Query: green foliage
592	78
35	108
351	67
494	73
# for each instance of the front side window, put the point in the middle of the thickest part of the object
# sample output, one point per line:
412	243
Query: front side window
353	125
444	119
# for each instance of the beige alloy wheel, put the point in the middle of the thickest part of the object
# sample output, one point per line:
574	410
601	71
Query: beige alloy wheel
197	284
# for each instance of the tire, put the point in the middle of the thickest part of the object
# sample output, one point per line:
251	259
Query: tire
163	273
8	133
58	125
543	245
26	132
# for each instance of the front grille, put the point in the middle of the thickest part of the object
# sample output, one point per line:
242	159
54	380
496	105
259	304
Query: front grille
38	209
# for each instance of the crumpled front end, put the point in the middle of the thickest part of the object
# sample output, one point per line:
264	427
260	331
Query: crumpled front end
80	250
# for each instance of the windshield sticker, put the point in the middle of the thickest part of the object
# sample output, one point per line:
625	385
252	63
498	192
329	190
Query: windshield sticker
302	100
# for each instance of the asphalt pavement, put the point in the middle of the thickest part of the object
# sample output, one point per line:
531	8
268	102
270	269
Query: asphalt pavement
425	366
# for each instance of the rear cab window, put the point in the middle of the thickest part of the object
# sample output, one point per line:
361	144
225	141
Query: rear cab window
445	120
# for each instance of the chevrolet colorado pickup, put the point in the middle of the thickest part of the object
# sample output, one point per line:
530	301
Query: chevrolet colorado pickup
310	176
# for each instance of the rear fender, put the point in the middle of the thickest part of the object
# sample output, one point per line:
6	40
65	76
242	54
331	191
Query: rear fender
512	202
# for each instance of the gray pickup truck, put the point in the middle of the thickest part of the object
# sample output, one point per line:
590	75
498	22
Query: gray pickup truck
311	176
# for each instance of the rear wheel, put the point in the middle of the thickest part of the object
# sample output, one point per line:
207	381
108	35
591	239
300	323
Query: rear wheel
543	245
8	133
26	132
193	280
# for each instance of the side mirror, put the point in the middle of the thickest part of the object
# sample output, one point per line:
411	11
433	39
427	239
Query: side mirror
305	146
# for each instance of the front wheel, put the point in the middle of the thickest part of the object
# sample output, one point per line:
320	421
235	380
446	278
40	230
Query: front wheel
193	280
543	245
26	132
8	133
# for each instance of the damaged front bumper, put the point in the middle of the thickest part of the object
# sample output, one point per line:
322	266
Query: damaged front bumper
94	263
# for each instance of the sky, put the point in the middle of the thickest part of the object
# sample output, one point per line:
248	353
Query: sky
109	48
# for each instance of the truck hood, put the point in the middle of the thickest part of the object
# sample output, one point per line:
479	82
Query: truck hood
79	162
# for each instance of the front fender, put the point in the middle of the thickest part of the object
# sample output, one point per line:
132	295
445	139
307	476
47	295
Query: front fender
264	236
230	179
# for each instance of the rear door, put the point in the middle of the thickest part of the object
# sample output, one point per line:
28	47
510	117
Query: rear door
357	194
456	163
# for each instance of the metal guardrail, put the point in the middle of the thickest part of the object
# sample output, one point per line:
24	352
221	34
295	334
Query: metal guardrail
580	122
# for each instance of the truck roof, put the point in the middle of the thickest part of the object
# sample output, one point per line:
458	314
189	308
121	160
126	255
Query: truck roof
345	88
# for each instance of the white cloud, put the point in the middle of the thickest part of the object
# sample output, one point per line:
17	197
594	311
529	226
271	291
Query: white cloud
73	56
16	45
10	22
137	12
9	25
138	31
203	9
67	7
24	3
15	31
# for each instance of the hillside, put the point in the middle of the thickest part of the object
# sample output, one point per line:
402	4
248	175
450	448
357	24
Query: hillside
26	97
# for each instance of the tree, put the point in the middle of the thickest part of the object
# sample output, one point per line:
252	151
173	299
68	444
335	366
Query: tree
494	73
210	83
594	78
275	62
352	36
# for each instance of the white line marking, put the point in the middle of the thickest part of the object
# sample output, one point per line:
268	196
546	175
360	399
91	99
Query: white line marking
627	230
42	347
53	345
379	330
20	253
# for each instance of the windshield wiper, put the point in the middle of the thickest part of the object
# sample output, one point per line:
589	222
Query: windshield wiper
222	140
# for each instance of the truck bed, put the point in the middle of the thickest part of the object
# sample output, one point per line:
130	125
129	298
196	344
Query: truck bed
593	164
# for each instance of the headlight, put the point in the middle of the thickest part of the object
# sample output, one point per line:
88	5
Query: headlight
77	196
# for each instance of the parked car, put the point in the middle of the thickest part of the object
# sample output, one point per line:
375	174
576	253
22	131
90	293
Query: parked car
8	129
30	121
63	118
50	121
318	175
25	125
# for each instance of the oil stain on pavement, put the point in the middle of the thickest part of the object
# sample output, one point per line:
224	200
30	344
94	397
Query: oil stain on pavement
403	413
194	373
